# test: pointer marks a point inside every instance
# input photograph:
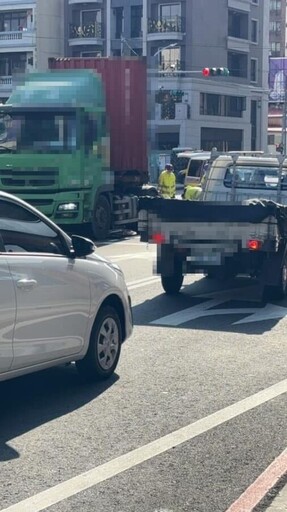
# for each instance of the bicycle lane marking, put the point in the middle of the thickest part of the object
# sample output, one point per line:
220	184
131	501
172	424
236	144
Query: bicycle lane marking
262	485
129	460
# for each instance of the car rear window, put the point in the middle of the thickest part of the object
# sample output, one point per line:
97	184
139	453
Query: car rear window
255	177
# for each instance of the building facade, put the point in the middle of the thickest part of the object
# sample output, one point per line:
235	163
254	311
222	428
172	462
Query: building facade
178	39
277	28
30	32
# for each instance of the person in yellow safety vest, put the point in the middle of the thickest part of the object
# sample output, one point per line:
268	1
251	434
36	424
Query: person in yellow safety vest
166	183
192	192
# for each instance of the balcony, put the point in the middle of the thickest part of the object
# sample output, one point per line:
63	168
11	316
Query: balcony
166	28
5	85
17	39
91	34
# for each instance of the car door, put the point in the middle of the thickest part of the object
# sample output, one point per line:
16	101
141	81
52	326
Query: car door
52	290
7	314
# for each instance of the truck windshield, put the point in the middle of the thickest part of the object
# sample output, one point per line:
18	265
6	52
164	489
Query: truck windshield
45	132
255	177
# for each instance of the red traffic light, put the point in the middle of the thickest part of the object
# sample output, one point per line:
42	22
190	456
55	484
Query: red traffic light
206	72
215	72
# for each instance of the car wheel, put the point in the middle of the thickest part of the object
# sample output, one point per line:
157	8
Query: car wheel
105	346
101	221
172	284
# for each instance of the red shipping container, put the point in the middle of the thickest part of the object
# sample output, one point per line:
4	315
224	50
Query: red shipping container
125	83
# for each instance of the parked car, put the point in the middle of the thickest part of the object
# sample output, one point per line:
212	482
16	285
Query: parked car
59	300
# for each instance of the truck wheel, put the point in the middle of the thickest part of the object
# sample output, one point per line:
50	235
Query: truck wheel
172	284
104	349
278	292
101	221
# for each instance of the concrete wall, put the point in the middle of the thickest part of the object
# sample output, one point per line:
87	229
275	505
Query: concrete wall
50	30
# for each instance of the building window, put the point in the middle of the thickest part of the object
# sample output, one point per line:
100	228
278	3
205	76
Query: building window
237	64
237	24
222	105
254	2
13	21
222	139
91	54
254	31
275	5
167	141
275	49
170	59
136	20
253	70
15	63
170	10
91	16
119	22
275	27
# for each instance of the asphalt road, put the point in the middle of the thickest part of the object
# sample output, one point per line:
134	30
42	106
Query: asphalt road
177	370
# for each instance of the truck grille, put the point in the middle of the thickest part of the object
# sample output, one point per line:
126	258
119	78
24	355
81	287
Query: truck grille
18	177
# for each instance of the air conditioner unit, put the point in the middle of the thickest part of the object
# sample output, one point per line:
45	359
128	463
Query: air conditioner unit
181	111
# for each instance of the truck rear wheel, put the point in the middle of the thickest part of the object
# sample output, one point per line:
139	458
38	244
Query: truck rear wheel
172	284
101	221
278	292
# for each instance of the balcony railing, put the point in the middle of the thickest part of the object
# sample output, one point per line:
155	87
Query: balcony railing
5	80
92	30
17	38
164	24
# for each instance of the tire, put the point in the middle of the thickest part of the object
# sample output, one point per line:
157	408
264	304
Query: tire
172	284
101	221
278	292
104	349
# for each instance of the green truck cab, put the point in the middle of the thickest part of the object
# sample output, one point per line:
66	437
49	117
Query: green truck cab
55	151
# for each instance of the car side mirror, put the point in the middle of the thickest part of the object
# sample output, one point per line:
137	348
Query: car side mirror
82	246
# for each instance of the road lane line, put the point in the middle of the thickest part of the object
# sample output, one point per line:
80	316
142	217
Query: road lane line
262	485
129	460
131	256
142	282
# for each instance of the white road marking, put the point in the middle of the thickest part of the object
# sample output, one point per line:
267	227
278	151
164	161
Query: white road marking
142	282
270	312
129	460
132	256
199	311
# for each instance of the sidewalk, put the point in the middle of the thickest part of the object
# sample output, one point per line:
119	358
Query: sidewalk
279	504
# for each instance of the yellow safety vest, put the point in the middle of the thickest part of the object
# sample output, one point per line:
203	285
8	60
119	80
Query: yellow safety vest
192	193
166	184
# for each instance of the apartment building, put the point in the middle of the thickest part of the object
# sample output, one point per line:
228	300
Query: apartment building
178	39
277	28
30	32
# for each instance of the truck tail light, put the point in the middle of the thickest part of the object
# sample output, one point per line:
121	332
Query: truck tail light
158	238
254	245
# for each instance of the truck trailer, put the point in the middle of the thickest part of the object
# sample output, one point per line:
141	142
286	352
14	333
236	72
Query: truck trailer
73	142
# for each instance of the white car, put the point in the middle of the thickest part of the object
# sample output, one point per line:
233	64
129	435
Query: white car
59	301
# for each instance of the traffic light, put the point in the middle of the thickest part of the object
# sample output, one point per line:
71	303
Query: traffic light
215	72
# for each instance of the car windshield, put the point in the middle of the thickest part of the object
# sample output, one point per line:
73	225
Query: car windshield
47	132
255	177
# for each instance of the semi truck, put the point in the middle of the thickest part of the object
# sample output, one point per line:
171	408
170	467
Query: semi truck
239	226
73	142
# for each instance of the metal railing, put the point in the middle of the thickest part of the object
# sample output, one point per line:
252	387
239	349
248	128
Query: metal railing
166	24
91	30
